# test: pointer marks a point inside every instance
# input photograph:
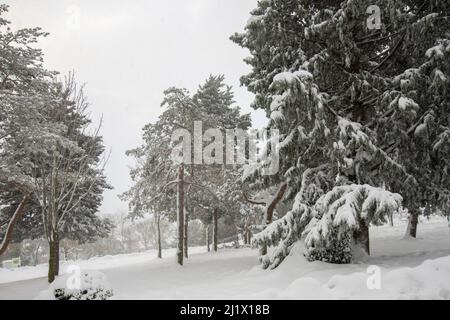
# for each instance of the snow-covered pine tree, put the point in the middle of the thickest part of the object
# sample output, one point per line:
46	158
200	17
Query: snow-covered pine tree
152	172
154	168
331	85
23	86
416	121
48	154
38	116
206	184
216	100
67	172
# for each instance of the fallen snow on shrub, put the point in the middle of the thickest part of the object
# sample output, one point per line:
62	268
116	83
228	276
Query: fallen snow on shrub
87	285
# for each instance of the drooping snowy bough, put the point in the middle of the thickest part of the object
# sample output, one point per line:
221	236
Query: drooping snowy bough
334	228
344	214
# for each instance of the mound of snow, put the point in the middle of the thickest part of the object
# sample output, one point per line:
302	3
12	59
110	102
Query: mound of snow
84	285
430	280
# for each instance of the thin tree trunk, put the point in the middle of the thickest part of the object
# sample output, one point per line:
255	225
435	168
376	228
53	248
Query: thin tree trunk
53	262
215	229
180	216
16	216
263	250
158	229
270	210
237	244
391	220
185	238
361	237
412	224
186	217
36	253
207	238
247	233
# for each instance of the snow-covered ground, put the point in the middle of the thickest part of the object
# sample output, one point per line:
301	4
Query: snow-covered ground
408	268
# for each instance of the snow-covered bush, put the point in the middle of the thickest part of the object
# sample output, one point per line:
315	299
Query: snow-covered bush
332	226
343	214
90	285
338	249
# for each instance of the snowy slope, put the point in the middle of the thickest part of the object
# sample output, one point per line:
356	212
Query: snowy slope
235	274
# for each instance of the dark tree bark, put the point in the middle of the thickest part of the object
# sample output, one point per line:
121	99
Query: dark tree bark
412	224
207	238
16	216
185	238
158	230
361	236
215	229
269	212
53	262
263	250
180	215
270	209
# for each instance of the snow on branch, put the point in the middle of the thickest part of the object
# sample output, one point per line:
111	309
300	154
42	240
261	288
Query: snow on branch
345	206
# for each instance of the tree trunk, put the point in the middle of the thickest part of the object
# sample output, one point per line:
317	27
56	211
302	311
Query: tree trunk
246	232
53	262
263	250
36	253
207	238
180	215
391	220
185	238
270	209
186	217
16	216
412	224
361	236
158	230
215	229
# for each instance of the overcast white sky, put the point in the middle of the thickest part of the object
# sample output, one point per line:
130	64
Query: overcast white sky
129	52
